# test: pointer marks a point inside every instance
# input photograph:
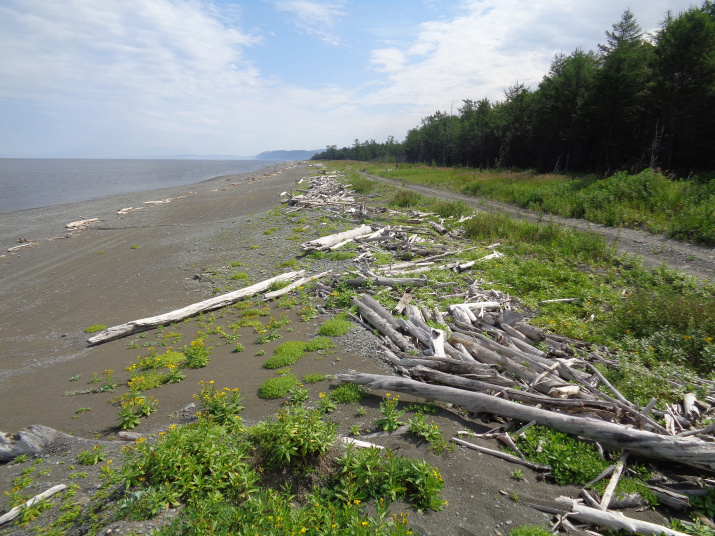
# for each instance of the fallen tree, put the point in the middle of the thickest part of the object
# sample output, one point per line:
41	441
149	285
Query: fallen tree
143	324
687	450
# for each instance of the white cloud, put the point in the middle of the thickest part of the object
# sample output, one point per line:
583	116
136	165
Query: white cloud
315	18
388	59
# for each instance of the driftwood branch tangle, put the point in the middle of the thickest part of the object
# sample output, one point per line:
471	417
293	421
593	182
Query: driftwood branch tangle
683	450
143	324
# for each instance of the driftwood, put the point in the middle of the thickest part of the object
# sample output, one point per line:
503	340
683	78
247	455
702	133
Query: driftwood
15	512
294	285
683	450
327	242
502	455
615	520
382	325
143	324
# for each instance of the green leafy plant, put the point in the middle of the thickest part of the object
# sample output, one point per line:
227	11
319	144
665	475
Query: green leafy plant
390	414
93	456
529	530
197	354
429	431
326	404
222	406
94	328
296	433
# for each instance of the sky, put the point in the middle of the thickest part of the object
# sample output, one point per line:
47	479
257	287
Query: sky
133	78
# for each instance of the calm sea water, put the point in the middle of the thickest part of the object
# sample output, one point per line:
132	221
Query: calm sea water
42	182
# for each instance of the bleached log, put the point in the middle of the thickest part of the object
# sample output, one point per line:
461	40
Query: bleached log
615	477
513	367
21	246
387	281
412	310
690	410
437	341
81	223
615	520
330	240
15	512
689	451
294	285
383	326
532	332
376	306
359	443
449	366
143	324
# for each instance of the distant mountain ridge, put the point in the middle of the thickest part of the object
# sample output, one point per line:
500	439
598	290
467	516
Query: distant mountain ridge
287	155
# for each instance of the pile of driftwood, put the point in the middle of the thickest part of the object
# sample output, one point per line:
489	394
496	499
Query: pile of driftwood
483	355
325	192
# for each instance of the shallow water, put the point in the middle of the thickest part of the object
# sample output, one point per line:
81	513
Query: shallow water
42	182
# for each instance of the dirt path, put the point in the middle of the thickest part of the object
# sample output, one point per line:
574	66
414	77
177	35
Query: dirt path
654	249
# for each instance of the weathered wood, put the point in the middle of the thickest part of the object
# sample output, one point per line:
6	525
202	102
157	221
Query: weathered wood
327	241
496	385
689	451
143	324
615	477
387	281
517	369
294	285
532	332
383	326
615	520
376	306
15	512
34	438
502	455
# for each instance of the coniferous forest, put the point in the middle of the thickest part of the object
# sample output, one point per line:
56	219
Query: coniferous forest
638	101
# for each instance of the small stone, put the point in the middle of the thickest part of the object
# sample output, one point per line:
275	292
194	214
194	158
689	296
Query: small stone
508	521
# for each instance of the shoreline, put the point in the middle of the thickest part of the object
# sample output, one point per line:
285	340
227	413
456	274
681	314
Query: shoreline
119	269
33	220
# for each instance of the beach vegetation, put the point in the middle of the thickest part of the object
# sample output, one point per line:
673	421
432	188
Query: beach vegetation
347	393
389	421
335	327
94	328
314	377
529	530
277	387
93	456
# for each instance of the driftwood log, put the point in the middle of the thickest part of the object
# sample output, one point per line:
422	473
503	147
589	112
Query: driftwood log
15	512
687	450
615	520
144	324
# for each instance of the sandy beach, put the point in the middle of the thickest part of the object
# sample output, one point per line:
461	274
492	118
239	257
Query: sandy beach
122	268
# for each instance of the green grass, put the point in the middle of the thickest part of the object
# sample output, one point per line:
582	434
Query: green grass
314	378
94	328
286	354
347	393
683	209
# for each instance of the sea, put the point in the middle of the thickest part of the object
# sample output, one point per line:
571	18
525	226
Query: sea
42	182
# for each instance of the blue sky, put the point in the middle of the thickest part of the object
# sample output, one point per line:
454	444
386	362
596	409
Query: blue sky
118	78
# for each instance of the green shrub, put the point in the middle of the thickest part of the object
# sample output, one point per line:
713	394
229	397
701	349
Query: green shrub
406	199
277	387
362	185
297	433
335	327
94	328
239	276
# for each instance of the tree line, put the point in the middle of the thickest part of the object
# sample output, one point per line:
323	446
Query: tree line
638	101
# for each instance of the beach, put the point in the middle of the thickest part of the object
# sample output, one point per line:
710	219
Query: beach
122	268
